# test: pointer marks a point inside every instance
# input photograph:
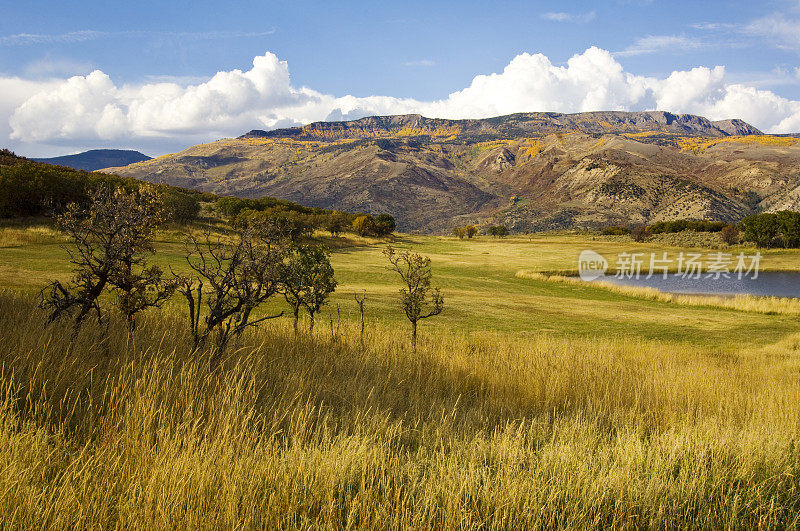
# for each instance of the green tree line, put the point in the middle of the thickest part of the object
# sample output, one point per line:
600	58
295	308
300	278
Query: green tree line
29	188
772	229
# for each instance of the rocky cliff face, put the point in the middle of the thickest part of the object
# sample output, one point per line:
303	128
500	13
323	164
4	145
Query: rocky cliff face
513	126
531	171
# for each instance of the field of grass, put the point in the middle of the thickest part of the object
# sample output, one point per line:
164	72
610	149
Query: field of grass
480	283
530	403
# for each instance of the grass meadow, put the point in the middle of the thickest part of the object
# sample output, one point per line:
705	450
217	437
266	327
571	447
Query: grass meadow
529	404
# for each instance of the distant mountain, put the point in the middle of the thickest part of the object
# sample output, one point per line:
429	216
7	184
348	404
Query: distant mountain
530	171
514	126
96	159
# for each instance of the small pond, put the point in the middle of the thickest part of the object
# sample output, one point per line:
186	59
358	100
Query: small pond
768	283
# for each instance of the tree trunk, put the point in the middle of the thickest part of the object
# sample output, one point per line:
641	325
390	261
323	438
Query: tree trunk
414	336
296	317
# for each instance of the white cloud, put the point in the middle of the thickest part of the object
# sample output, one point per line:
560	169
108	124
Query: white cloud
92	106
568	17
27	39
590	81
557	17
14	92
30	39
92	110
660	43
421	62
713	26
49	66
781	29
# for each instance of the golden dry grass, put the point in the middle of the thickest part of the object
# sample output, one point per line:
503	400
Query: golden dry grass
38	234
486	431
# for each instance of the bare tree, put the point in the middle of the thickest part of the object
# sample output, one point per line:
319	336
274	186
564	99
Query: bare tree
360	301
335	335
308	281
110	241
237	277
417	298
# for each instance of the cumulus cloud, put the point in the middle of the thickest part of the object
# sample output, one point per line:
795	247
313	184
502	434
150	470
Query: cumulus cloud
92	106
92	109
530	82
14	93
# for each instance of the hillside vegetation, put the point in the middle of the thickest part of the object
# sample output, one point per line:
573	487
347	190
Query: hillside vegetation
31	189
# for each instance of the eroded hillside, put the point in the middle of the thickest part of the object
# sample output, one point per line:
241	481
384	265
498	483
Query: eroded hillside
530	171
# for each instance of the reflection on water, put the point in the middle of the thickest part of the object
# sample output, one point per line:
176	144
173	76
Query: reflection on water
776	284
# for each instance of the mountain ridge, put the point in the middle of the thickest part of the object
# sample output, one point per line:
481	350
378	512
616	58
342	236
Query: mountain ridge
530	171
519	124
96	159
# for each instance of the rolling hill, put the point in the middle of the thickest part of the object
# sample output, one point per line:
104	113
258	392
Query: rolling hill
530	171
96	159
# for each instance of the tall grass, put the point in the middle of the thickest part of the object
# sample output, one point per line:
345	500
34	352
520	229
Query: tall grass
745	303
483	431
12	236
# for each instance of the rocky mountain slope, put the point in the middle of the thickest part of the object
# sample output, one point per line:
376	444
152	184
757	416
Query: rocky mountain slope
513	126
531	171
96	159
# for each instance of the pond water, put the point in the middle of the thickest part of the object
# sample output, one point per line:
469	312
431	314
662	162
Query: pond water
768	283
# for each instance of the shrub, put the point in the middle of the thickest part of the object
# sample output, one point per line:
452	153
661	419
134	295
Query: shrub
384	224
640	233
417	298
336	222
730	234
760	229
364	225
498	231
789	227
616	230
293	224
111	239
231	279
307	281
680	225
180	207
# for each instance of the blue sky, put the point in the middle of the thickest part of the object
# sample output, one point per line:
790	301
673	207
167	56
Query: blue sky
332	59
